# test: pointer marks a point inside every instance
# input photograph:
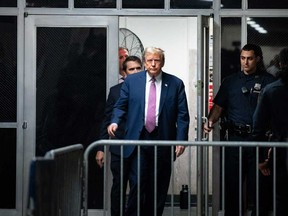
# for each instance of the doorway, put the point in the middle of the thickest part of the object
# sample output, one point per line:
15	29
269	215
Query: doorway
70	64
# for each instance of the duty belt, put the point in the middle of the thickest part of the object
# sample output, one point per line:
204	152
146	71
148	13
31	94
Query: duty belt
240	128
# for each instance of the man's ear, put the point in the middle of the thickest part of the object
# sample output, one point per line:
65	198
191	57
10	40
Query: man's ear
258	58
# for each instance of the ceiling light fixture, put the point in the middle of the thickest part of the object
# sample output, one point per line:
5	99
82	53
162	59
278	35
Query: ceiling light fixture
256	26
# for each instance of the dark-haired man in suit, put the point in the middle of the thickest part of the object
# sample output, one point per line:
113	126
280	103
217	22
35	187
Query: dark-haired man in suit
132	64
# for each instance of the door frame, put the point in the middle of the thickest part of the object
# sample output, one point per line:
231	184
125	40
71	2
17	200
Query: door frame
32	22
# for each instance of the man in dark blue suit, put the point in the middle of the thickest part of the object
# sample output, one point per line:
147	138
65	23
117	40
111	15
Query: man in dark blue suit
171	123
132	64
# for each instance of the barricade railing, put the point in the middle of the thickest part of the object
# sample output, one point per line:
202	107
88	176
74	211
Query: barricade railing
56	183
202	193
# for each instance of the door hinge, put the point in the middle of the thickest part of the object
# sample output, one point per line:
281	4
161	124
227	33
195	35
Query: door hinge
24	125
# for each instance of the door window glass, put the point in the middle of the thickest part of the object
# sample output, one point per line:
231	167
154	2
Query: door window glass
276	4
270	35
143	4
8	68
231	4
71	93
94	4
8	3
230	46
191	4
47	3
8	168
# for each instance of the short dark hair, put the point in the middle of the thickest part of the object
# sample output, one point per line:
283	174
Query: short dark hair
258	53
131	58
257	49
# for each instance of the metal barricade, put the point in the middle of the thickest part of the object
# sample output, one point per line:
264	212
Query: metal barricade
55	183
205	195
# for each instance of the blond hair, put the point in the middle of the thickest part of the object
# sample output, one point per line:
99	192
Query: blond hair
154	50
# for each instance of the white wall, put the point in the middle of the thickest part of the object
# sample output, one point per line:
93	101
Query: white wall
178	38
170	34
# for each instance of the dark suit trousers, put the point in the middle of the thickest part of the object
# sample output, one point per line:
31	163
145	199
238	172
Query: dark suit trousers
147	174
129	174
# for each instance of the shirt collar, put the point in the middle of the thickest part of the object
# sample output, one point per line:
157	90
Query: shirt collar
157	78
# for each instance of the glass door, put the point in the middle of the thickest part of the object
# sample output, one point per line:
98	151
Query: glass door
70	62
10	161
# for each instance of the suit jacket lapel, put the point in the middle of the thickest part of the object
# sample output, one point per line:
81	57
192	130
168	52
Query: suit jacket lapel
164	90
142	83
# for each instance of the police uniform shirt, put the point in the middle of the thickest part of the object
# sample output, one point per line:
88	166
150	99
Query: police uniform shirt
238	95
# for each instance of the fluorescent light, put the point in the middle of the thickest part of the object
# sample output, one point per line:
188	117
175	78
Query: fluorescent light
259	28
256	26
251	22
263	31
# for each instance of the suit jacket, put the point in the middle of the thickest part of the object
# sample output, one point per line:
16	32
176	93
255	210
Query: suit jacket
173	120
113	96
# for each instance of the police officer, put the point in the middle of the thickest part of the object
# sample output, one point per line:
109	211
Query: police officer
237	99
271	114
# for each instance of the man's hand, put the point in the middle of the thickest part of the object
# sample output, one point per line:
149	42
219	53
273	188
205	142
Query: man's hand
213	117
179	150
264	168
208	126
100	158
112	129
